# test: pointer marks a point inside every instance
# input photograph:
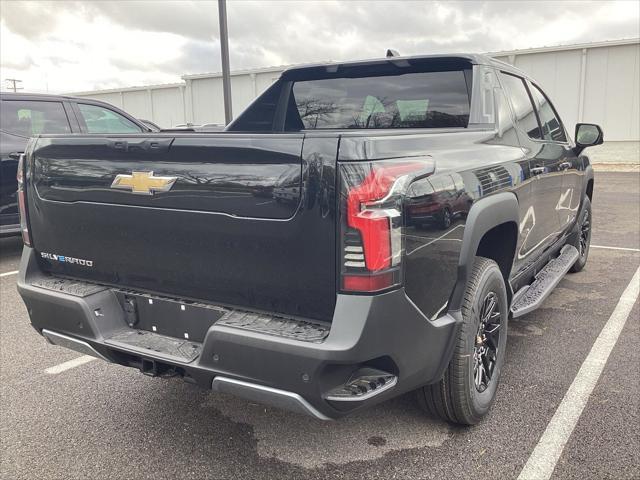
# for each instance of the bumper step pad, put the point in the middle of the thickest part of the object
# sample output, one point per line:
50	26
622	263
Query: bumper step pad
76	288
157	345
278	326
531	297
364	384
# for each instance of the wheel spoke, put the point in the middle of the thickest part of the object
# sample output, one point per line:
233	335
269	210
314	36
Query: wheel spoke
488	310
487	340
492	343
477	374
487	368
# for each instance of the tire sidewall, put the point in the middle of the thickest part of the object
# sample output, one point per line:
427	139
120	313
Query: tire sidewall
491	280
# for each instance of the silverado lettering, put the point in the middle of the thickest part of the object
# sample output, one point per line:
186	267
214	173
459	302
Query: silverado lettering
65	259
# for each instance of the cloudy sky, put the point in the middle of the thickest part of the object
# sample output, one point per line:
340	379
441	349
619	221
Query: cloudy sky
62	46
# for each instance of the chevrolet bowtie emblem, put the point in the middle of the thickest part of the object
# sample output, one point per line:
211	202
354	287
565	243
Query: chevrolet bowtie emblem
143	183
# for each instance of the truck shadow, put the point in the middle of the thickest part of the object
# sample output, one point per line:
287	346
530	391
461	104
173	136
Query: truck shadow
397	424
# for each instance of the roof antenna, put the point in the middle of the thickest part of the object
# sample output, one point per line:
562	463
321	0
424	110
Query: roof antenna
392	53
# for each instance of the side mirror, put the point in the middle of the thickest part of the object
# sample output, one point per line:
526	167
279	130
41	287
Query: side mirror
588	135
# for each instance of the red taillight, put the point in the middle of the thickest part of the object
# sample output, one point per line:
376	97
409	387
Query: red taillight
367	283
372	223
22	203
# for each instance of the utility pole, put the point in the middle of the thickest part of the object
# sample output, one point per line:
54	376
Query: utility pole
14	84
224	52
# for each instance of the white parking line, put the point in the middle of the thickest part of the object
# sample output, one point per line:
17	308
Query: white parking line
545	456
6	274
76	362
617	248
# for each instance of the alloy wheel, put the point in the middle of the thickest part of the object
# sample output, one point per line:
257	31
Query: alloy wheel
585	232
485	351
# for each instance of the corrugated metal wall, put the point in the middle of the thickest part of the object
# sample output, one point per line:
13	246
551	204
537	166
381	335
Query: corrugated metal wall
597	83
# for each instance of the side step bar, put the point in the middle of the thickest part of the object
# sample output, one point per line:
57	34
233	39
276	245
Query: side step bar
531	297
79	346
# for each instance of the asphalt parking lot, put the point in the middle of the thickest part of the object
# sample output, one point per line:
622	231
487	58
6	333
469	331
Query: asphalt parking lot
96	420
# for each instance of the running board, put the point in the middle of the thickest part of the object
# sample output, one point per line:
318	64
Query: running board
531	297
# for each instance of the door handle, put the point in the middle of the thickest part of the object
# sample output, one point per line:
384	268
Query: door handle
564	166
538	170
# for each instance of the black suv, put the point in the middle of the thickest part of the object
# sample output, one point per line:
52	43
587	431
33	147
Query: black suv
26	115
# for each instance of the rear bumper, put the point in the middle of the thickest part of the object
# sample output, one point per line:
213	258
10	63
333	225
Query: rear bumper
385	332
9	230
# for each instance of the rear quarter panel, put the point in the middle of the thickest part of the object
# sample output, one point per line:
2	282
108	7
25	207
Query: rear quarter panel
469	166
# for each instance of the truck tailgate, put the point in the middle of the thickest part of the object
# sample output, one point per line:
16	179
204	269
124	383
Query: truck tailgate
241	220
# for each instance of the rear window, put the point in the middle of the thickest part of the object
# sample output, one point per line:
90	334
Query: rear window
28	118
411	100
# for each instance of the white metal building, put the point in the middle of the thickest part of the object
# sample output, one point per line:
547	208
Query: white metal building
594	82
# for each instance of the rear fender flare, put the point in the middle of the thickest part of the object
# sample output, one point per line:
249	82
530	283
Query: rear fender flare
484	215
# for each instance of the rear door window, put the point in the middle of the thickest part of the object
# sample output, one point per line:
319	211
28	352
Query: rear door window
28	118
411	100
552	128
521	103
103	120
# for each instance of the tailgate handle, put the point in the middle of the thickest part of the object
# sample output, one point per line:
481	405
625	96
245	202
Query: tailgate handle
146	145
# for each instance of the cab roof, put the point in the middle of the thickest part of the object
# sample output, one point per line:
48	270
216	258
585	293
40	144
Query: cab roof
404	61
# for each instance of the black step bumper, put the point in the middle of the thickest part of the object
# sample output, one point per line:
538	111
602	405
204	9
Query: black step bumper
385	332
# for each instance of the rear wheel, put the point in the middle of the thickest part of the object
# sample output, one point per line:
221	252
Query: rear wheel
468	388
583	240
445	219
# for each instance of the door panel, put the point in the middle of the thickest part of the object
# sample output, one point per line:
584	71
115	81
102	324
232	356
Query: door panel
547	189
539	226
554	133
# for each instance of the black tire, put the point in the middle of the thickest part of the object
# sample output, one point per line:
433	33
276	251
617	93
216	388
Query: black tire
456	397
583	236
446	218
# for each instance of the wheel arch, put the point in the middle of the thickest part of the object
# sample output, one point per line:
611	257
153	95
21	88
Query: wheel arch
491	222
587	188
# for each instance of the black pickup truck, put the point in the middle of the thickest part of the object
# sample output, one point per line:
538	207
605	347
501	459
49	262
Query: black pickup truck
361	230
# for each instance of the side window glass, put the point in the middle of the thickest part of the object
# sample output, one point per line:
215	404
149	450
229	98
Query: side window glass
552	128
103	120
28	118
522	106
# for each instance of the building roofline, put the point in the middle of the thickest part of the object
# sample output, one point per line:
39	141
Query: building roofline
281	68
560	48
130	89
248	71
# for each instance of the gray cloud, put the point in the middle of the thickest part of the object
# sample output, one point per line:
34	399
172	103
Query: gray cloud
286	32
27	19
191	19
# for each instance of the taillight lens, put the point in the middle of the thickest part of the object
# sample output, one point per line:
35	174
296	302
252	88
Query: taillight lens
371	222
22	204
